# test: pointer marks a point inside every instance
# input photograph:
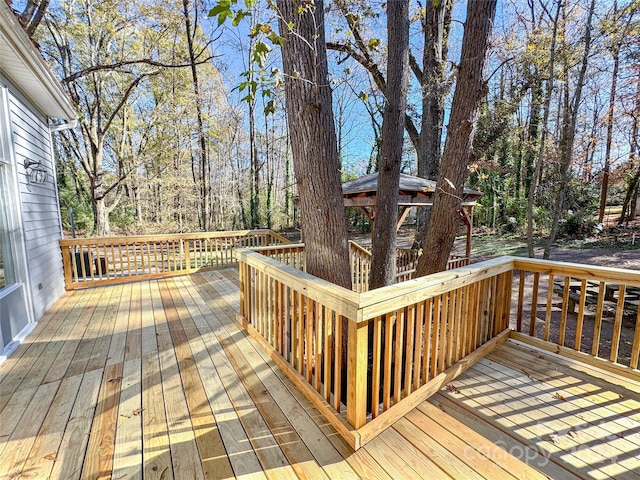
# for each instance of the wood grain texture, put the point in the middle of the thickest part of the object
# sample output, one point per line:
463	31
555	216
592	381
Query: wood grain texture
206	394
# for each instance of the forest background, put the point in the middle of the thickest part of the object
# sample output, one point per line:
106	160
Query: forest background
182	123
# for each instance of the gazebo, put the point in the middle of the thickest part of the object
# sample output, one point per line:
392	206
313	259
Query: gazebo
413	192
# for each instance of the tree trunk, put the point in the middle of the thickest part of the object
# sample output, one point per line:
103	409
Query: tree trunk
205	191
543	137
568	135
434	92
470	89
383	262
254	198
101	215
631	195
313	140
612	102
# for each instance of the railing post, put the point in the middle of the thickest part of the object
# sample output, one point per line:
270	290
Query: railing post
357	362
187	255
66	266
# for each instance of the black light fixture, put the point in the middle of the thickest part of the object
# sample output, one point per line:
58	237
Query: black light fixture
35	172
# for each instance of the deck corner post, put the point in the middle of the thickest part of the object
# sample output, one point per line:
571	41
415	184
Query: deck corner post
242	279
66	266
357	362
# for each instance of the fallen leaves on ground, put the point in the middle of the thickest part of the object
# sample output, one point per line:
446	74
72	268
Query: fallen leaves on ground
452	388
558	396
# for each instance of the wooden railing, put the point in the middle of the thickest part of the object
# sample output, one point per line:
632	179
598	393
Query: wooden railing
366	359
406	262
291	254
95	261
360	259
584	311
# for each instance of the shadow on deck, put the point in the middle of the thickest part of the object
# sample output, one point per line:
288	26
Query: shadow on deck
156	379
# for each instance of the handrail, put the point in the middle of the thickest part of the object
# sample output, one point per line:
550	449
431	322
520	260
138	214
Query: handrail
107	260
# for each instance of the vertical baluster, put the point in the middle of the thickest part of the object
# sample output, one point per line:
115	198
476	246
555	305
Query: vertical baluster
534	304
597	327
300	331
329	317
144	247
520	301
388	360
397	381
435	336
565	310
319	324
428	333
547	316
377	361
410	348
444	326
635	349
452	325
465	316
617	324
309	338
419	349
457	342
73	273
337	366
580	321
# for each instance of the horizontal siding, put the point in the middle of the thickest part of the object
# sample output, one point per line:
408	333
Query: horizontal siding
39	203
31	151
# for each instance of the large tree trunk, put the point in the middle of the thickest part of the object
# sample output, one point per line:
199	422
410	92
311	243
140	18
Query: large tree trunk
383	262
313	140
470	89
434	92
101	215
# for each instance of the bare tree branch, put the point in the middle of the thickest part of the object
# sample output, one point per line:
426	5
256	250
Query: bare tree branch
112	66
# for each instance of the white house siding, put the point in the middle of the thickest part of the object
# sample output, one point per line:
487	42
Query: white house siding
39	204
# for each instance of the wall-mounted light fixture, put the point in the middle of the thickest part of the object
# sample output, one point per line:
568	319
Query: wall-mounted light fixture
35	173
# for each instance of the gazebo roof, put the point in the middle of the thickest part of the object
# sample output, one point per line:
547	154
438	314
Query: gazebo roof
414	191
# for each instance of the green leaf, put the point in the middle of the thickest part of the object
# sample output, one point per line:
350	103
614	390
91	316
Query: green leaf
374	43
239	16
221	6
270	107
223	17
276	39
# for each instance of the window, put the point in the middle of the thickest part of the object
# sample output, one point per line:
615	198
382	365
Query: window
6	273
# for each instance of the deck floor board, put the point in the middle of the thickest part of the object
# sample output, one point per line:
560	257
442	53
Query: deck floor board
157	380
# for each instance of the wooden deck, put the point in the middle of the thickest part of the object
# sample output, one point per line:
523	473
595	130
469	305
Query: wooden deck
156	380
